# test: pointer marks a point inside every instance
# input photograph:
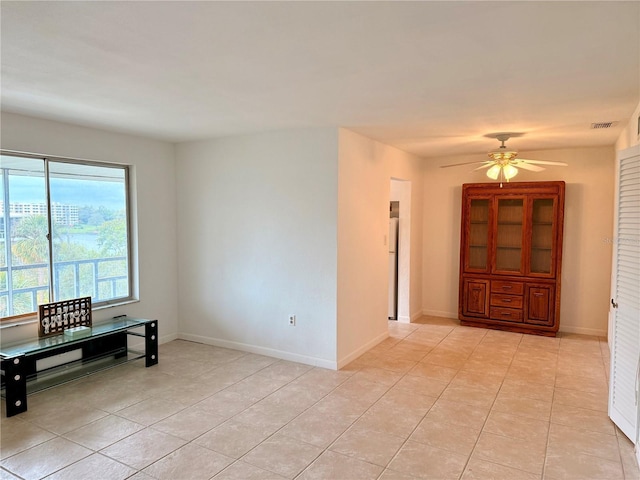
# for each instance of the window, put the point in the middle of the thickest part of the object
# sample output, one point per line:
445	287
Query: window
64	233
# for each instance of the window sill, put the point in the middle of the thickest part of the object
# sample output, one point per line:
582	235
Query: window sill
17	323
34	318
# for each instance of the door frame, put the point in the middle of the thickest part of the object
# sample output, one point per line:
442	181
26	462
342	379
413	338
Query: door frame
402	189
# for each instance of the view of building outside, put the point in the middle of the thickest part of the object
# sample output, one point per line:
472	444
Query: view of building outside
88	246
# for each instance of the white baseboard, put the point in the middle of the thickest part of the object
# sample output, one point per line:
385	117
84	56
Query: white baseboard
167	338
440	313
269	352
595	332
410	319
356	353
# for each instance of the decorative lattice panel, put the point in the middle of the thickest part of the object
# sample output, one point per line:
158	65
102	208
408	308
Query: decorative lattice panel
54	318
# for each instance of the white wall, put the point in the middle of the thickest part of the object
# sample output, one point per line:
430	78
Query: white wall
294	223
630	136
257	241
441	234
257	237
364	173
153	198
586	267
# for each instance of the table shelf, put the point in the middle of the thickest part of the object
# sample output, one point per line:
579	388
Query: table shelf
105	347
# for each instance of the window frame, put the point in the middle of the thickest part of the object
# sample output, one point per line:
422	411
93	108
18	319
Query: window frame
131	297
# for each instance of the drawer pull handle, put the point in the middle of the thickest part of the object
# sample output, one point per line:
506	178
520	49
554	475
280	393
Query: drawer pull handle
506	314
507	287
537	294
506	300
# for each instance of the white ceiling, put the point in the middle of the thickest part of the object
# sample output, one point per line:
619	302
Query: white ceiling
428	77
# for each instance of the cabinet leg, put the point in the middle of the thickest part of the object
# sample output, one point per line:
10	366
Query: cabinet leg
151	343
15	385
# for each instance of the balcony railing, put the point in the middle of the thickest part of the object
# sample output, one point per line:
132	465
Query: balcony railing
79	287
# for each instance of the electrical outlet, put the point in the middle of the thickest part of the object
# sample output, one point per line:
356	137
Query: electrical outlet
292	320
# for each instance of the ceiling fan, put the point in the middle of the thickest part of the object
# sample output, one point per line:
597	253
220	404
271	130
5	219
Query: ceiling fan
504	163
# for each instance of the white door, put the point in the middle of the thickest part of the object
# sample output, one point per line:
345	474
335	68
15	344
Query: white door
625	296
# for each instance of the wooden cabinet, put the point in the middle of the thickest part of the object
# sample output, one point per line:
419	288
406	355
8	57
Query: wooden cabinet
476	297
511	256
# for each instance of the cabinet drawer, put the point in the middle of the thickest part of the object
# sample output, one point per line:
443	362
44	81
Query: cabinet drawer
512	288
506	314
509	301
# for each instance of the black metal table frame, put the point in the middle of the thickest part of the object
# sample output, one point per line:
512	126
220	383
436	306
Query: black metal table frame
14	368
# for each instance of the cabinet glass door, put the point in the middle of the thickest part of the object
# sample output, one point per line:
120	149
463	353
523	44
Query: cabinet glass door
542	236
478	234
509	235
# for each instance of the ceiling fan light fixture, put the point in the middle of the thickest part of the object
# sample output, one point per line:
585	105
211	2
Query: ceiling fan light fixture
494	172
502	165
509	171
502	155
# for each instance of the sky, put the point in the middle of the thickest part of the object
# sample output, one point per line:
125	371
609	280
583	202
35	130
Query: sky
68	191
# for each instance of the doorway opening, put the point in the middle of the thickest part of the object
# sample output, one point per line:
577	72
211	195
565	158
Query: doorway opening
400	215
394	218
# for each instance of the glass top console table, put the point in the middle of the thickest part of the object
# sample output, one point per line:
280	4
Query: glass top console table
24	364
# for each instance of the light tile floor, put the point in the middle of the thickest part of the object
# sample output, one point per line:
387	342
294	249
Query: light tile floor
434	400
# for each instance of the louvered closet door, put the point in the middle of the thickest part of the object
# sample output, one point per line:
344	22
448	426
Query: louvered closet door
625	344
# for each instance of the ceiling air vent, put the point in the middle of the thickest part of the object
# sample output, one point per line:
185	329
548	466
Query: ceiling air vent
603	125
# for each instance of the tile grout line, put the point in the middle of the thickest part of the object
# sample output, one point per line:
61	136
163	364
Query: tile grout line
423	417
553	396
151	425
489	412
437	398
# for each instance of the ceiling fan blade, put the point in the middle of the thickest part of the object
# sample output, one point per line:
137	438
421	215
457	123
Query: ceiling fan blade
486	165
528	166
543	162
465	163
